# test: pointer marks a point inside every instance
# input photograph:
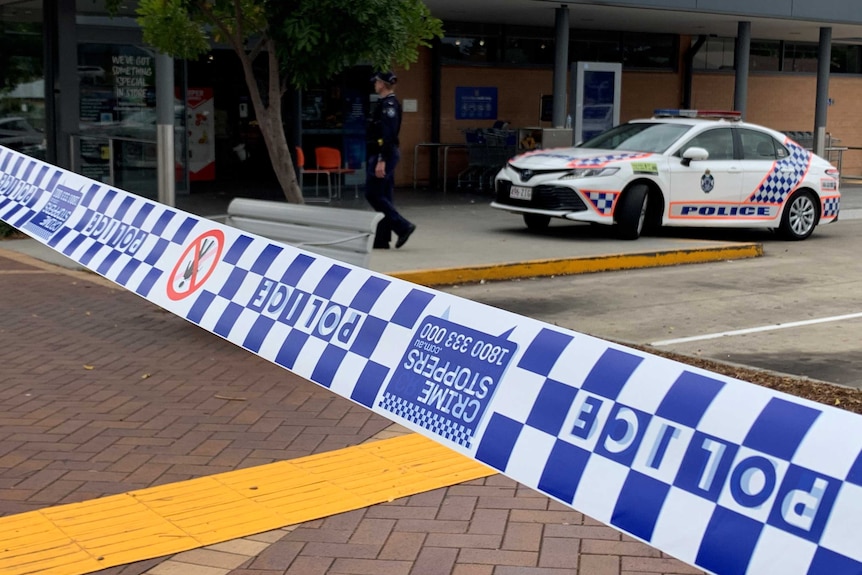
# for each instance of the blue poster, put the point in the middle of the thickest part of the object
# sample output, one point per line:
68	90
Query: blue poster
475	103
598	111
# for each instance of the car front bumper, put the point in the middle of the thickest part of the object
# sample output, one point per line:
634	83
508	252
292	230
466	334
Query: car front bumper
558	199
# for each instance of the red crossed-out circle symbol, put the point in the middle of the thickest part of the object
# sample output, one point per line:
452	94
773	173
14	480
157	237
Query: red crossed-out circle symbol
196	265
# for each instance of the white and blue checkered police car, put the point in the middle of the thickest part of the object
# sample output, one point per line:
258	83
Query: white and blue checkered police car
679	168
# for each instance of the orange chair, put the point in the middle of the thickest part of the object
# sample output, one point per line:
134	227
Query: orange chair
300	161
329	160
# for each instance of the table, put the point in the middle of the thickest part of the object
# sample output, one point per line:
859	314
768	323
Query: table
445	148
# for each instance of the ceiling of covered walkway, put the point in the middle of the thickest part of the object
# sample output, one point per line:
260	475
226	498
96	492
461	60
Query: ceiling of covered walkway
601	16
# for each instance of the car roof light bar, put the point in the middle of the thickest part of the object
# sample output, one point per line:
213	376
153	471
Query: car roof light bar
679	113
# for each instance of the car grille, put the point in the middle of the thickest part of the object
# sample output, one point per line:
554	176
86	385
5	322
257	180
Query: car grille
544	198
526	174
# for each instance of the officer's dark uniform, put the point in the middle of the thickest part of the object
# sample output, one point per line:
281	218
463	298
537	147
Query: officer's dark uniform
383	144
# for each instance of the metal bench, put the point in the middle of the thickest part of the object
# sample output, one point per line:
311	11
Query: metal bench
341	234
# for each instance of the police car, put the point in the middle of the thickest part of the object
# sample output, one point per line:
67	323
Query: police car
679	168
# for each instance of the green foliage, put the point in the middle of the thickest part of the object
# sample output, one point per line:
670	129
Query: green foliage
168	26
20	53
314	39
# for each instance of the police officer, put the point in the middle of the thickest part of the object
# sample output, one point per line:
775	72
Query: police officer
383	157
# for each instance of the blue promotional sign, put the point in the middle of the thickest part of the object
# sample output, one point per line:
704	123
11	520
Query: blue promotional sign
475	103
596	88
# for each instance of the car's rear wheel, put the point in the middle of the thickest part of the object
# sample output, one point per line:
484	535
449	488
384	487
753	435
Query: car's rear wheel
537	222
800	216
631	212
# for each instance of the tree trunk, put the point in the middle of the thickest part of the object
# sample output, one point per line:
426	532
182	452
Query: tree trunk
270	121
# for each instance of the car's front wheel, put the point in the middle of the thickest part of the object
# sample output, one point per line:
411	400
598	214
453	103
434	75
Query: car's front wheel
631	212
537	222
800	216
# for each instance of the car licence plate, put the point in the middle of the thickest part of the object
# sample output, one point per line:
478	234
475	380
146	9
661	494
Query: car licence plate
521	193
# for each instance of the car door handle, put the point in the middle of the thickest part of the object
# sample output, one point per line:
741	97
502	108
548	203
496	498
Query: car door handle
734	170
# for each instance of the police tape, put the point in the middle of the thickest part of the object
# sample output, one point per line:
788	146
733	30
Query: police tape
725	475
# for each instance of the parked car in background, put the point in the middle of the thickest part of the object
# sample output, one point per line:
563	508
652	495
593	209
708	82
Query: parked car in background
678	168
134	138
17	133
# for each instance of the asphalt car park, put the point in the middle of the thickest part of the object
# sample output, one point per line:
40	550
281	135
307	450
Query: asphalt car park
678	168
795	310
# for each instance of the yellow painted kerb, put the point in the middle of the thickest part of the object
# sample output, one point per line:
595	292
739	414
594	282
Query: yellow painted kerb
560	267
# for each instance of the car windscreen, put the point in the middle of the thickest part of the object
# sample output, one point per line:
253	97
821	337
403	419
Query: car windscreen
654	137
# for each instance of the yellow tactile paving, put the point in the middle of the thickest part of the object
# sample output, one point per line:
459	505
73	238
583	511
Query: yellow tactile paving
84	537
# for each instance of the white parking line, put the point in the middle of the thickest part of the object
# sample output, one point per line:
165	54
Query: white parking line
756	329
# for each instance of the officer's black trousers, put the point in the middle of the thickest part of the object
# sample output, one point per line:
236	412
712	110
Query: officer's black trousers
379	193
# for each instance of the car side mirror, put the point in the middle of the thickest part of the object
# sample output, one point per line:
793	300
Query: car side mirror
694	153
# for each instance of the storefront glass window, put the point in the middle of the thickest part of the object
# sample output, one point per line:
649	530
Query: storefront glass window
469	48
649	51
715	54
531	46
117	115
765	56
846	59
471	42
594	46
117	112
22	85
336	116
520	50
800	57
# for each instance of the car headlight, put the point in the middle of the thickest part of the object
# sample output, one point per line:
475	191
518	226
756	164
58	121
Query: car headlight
589	173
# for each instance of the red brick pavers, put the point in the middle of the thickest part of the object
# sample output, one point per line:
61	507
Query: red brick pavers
490	526
102	392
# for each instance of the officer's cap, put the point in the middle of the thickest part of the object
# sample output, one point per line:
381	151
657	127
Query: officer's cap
388	76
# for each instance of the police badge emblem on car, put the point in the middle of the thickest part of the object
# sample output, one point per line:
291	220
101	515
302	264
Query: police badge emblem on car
707	182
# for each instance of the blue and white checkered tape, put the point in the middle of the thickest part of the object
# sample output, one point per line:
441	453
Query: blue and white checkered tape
725	475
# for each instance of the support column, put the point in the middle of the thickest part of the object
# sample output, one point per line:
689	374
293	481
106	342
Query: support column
50	19
561	65
741	59
166	171
824	55
436	111
66	85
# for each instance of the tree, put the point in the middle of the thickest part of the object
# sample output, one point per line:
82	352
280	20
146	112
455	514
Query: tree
20	54
303	41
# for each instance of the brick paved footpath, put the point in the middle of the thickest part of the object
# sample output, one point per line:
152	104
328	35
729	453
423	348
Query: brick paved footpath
102	392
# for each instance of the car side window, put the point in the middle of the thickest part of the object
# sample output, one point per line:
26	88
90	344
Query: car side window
760	146
718	142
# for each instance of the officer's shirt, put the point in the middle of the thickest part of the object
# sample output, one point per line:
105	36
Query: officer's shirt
385	126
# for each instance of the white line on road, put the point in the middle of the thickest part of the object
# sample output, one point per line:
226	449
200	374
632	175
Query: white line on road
757	329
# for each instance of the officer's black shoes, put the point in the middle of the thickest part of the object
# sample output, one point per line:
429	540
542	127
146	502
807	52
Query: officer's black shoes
402	238
381	247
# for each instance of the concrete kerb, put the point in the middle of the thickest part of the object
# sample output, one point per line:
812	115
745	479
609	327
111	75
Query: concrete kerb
580	265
